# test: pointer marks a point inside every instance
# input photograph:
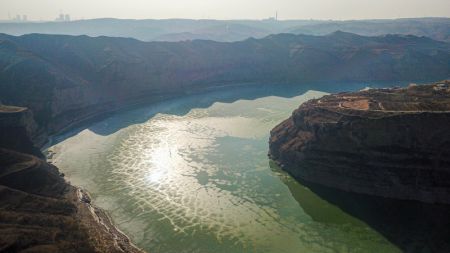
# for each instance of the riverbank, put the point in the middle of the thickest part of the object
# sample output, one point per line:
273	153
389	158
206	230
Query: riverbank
40	211
94	215
108	237
382	142
194	177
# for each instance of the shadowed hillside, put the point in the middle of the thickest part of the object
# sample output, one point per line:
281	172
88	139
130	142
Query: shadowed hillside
66	79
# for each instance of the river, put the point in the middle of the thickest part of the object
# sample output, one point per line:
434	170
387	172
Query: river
192	175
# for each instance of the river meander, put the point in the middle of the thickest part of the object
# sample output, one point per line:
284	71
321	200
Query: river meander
192	175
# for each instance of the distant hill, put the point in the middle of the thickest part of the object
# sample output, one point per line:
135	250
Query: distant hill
229	30
435	28
155	30
68	78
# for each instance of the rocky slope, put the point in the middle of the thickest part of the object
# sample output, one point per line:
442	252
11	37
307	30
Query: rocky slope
385	142
39	211
67	79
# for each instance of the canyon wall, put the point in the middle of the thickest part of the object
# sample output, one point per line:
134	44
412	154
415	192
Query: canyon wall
40	211
385	142
66	79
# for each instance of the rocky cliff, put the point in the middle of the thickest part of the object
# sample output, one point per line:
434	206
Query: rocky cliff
19	131
385	142
39	211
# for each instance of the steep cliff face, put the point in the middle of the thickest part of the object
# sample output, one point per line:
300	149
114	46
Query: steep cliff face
39	210
385	142
19	131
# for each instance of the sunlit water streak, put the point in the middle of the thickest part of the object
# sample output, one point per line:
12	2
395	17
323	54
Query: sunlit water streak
202	182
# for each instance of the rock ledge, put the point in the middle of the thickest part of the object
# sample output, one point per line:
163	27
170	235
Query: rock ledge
385	142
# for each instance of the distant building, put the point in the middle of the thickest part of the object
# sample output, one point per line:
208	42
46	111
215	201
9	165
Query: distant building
18	18
60	17
272	18
63	17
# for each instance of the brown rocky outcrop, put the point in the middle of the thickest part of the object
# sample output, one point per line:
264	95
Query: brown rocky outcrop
39	210
384	142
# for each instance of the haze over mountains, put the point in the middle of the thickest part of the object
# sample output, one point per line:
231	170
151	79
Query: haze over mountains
231	30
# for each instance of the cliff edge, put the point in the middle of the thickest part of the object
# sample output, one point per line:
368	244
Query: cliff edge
385	142
39	210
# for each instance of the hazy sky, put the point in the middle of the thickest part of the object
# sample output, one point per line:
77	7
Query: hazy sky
225	9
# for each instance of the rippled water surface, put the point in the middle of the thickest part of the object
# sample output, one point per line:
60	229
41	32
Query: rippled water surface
192	175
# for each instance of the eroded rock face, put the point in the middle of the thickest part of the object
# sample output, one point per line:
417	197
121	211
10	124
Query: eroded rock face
39	210
19	131
386	142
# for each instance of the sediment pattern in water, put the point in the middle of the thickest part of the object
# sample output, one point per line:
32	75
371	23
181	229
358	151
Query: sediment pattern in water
201	182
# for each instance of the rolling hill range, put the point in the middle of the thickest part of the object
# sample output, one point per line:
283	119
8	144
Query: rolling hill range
230	30
435	28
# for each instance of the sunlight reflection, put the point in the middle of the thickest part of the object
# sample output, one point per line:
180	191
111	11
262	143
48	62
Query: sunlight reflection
189	183
161	160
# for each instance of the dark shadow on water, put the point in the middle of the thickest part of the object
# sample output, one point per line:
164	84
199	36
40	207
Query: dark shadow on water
112	122
181	106
410	225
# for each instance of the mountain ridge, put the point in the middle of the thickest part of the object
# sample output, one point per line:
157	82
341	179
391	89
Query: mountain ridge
229	30
65	78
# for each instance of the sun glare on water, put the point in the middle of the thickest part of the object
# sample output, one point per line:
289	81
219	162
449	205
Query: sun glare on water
203	181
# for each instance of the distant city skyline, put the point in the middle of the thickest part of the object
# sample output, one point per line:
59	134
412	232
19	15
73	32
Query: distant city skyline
26	10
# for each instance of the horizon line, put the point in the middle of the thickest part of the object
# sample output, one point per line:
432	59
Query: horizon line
211	19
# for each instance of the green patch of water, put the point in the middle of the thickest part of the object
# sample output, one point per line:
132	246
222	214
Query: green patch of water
200	181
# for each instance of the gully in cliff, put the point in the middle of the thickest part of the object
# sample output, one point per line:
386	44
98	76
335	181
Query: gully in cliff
391	143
